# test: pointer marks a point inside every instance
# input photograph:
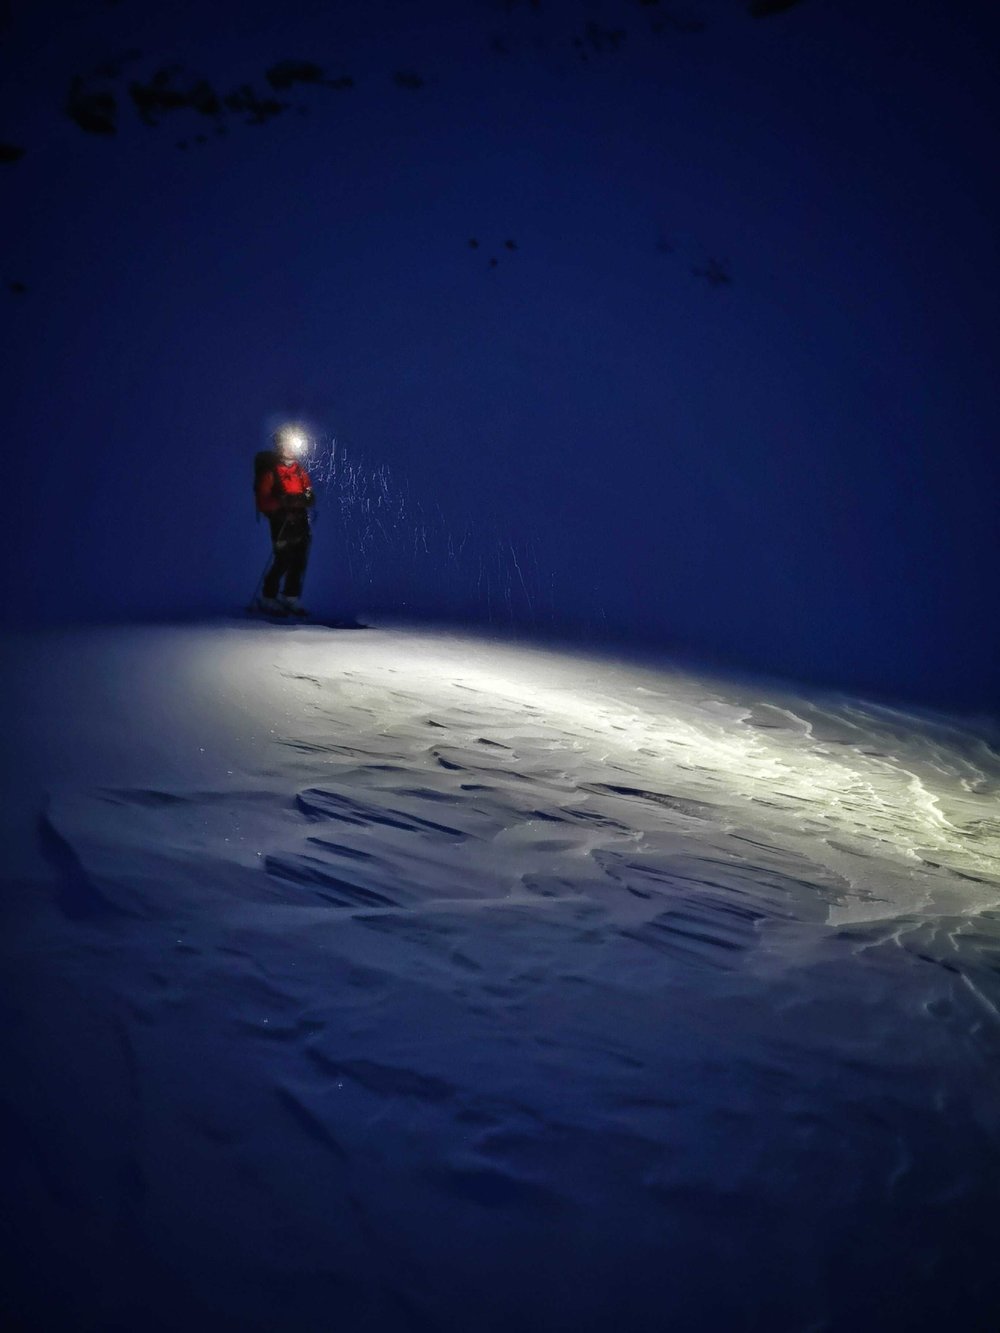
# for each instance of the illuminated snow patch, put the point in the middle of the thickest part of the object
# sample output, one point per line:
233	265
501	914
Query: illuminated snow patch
900	808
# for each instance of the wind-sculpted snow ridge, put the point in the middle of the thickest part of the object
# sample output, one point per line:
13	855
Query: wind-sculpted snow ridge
455	985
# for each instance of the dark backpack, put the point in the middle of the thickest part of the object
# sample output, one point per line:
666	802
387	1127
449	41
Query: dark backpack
265	461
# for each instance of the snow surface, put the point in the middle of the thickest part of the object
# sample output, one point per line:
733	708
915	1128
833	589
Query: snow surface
387	979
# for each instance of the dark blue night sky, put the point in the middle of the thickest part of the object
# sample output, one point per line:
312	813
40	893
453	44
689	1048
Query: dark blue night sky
727	390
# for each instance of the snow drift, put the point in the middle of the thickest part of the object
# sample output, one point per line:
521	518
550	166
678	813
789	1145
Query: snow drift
400	980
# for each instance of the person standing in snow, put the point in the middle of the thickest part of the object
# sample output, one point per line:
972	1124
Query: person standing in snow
284	495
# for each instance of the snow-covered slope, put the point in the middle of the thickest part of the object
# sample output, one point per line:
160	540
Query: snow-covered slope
385	979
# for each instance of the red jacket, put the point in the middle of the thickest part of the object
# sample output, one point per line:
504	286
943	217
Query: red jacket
277	483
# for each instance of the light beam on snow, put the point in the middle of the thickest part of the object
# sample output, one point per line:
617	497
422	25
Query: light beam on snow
901	808
860	782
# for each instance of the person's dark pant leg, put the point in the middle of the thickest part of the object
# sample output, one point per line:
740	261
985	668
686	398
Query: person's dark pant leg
280	553
296	570
290	541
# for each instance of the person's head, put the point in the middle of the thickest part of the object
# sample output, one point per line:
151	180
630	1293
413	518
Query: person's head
289	442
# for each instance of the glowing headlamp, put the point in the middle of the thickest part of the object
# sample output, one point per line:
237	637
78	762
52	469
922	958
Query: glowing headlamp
293	440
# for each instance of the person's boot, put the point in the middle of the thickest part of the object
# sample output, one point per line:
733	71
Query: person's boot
271	606
293	606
